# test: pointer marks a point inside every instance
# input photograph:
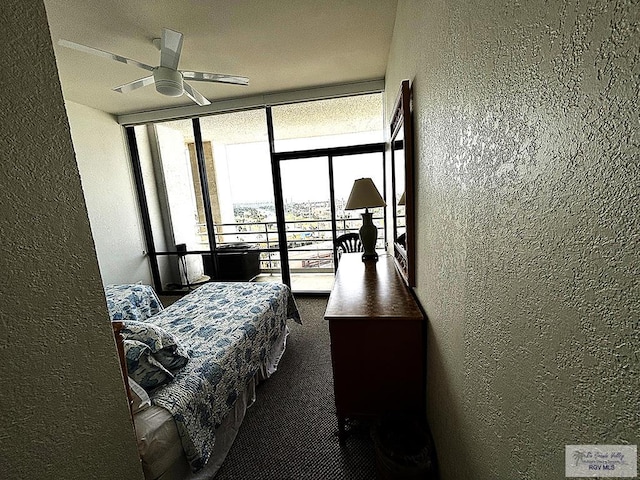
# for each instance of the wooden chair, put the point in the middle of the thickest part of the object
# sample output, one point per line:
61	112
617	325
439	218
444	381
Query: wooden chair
347	243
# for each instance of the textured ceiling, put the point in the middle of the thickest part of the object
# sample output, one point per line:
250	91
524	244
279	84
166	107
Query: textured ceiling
280	45
330	117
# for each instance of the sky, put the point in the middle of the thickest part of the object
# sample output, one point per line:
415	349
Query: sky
302	179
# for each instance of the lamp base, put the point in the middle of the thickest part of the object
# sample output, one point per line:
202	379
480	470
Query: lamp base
368	237
367	257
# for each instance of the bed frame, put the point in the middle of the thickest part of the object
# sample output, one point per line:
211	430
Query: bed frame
117	328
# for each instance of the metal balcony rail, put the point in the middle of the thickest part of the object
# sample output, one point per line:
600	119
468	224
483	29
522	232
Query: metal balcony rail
310	242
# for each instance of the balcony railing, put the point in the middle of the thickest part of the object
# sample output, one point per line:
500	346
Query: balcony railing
309	242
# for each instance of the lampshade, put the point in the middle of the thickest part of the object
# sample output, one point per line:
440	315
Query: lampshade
403	199
364	194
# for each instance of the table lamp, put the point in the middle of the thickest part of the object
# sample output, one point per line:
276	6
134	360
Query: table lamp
364	194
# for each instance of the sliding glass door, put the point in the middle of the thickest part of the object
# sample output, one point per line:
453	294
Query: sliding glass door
307	213
346	170
315	192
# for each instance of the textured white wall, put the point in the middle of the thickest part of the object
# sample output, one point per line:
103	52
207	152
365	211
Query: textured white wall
526	118
182	211
64	409
109	191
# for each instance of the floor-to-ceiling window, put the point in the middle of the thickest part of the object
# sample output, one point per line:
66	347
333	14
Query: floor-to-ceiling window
217	192
238	164
321	148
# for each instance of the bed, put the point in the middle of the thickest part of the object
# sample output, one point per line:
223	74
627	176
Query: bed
198	362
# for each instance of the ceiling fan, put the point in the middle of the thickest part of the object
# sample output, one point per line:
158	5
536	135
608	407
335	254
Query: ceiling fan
167	78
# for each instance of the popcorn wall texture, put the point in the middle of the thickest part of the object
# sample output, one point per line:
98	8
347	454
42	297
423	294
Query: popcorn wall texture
63	402
528	174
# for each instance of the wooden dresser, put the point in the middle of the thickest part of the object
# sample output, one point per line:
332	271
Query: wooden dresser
377	341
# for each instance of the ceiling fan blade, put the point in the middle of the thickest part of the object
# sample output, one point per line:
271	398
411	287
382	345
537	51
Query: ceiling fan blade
170	48
215	77
102	53
194	95
141	82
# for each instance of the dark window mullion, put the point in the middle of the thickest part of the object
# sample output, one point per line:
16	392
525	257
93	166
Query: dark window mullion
384	195
279	203
144	207
332	203
206	199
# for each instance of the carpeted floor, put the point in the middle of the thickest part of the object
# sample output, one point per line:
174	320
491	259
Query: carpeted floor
290	433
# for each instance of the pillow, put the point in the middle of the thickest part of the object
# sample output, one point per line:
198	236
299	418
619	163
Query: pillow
142	367
153	355
139	397
163	345
132	302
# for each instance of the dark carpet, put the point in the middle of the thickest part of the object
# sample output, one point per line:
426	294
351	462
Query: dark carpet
290	433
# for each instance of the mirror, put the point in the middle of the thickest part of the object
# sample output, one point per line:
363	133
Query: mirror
402	185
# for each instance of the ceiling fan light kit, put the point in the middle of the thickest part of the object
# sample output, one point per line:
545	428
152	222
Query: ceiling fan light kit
168	82
167	78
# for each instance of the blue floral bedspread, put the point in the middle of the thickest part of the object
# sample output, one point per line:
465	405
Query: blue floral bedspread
228	329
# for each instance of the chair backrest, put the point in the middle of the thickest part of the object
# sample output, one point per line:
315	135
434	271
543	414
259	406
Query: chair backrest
347	243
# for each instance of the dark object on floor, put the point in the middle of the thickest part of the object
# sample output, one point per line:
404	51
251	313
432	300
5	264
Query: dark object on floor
404	449
236	262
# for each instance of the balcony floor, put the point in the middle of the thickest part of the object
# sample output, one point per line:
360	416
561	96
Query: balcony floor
303	282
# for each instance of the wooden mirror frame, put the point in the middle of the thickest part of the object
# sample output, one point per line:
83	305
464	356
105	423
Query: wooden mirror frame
402	136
